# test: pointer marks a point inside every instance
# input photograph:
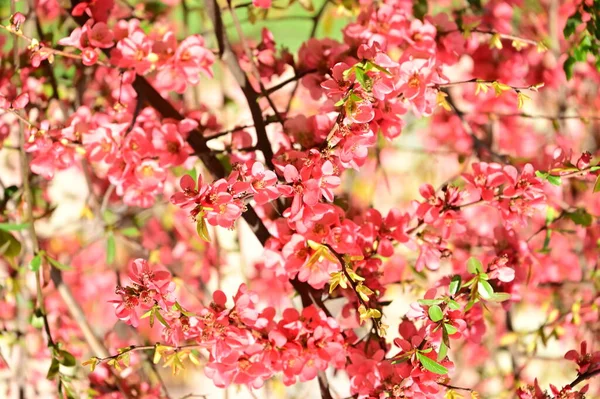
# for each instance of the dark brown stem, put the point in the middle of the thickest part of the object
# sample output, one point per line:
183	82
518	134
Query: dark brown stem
585	376
230	58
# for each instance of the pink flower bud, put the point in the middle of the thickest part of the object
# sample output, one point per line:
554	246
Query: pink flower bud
17	20
21	101
584	160
89	56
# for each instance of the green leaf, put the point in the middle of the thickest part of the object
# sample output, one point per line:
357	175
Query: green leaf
66	359
10	247
53	370
161	318
568	67
431	365
202	229
435	313
454	285
361	77
470	304
340	102
555	180
57	264
37	319
35	263
450	329
110	249
13	226
484	289
597	184
580	217
541	175
420	8
442	352
110	217
500	297
429	302
452	304
130	232
474	266
572	23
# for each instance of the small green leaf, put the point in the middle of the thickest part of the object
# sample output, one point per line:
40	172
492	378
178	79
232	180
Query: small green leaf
10	247
470	304
57	264
35	263
429	302
568	67
435	313
110	249
450	329
161	318
442	352
37	319
580	217
53	370
110	217
431	365
500	297
452	304
420	8
454	285
361	77
484	289
130	232
555	180
597	184
572	23
13	226
474	266
66	359
202	229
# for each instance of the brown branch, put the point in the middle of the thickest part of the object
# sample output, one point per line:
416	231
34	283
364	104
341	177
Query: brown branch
229	57
585	376
196	140
478	144
296	77
313	31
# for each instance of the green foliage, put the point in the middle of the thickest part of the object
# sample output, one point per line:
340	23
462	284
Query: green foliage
587	41
10	247
580	217
420	8
554	180
431	365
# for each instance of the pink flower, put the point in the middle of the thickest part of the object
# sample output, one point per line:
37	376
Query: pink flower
172	147
221	210
192	58
18	103
133	51
263	184
89	56
484	179
191	191
307	191
102	144
100	36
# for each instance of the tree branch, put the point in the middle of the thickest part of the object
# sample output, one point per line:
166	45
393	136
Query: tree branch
585	376
228	56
